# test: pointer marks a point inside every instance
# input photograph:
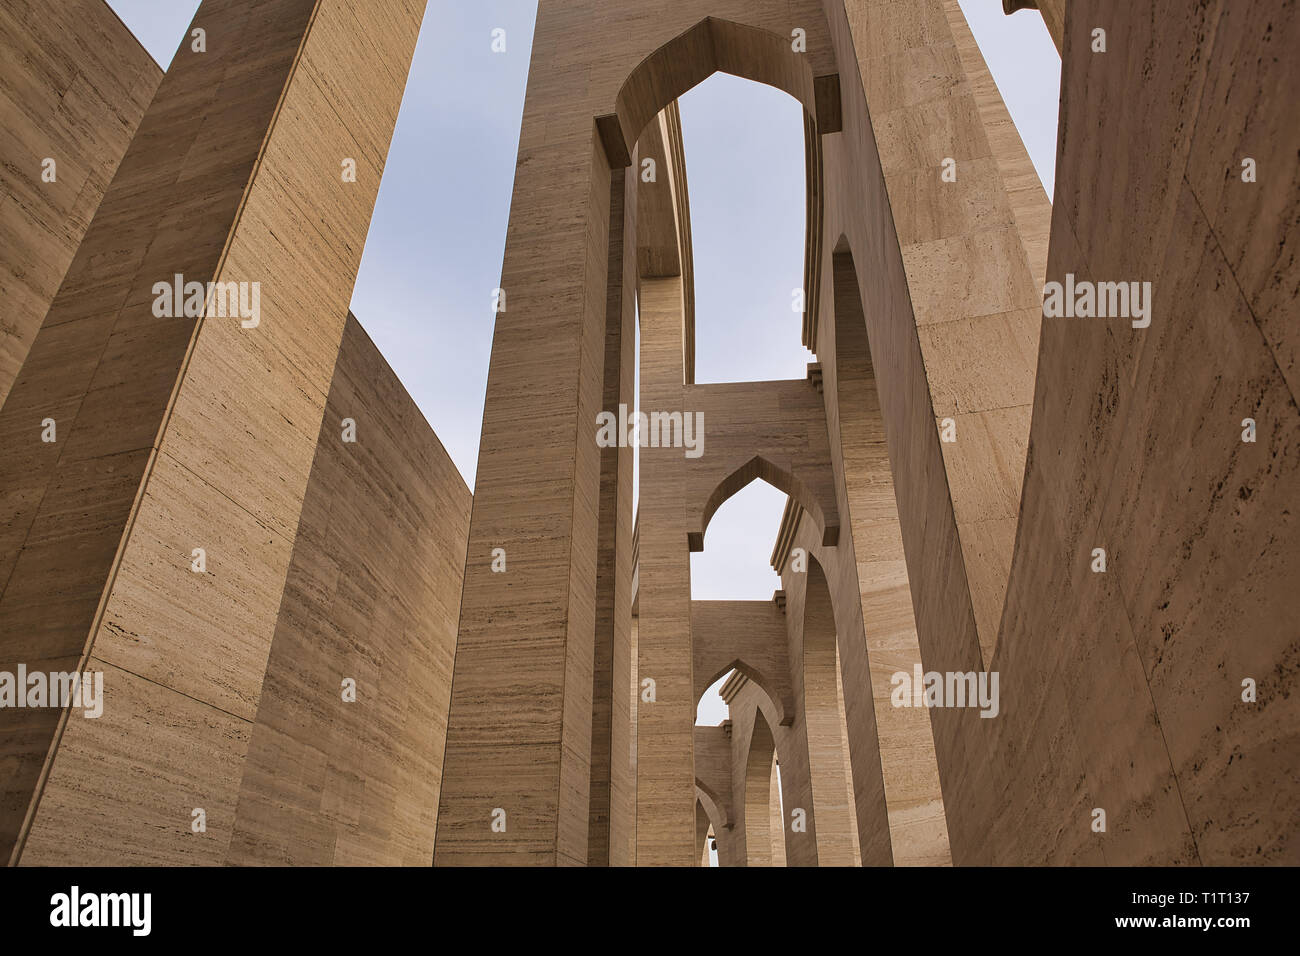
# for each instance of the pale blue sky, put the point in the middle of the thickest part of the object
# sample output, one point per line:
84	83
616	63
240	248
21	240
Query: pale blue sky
434	251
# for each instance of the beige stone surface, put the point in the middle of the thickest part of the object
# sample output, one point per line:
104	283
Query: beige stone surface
192	434
372	595
75	85
568	707
69	503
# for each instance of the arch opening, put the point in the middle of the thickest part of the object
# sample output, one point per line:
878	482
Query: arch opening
746	158
713	45
723	675
710	824
735	565
779	479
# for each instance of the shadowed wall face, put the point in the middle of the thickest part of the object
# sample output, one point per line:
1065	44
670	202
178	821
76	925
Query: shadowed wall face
1122	691
372	596
1138	448
75	86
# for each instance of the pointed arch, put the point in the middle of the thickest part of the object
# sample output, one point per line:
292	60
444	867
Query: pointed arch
768	686
712	45
761	468
749	637
716	45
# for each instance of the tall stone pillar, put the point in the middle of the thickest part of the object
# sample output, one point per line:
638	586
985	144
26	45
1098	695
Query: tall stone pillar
516	774
178	427
665	782
613	790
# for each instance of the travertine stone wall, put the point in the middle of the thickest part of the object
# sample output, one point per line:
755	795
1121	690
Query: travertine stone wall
1128	684
372	595
1120	691
973	290
178	433
75	85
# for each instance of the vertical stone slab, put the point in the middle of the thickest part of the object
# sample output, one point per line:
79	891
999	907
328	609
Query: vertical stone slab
612	789
629	838
665	782
972	274
934	266
519	732
195	432
847	758
1030	204
372	596
831	786
918	831
68	503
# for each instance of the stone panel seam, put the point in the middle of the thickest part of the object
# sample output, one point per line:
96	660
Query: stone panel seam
1245	300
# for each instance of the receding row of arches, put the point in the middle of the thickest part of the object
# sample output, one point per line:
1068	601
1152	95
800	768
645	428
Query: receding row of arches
814	735
793	774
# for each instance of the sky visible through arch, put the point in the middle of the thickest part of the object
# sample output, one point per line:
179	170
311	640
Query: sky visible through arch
434	251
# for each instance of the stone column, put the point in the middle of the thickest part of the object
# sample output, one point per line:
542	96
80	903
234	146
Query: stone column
665	728
516	775
613	791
